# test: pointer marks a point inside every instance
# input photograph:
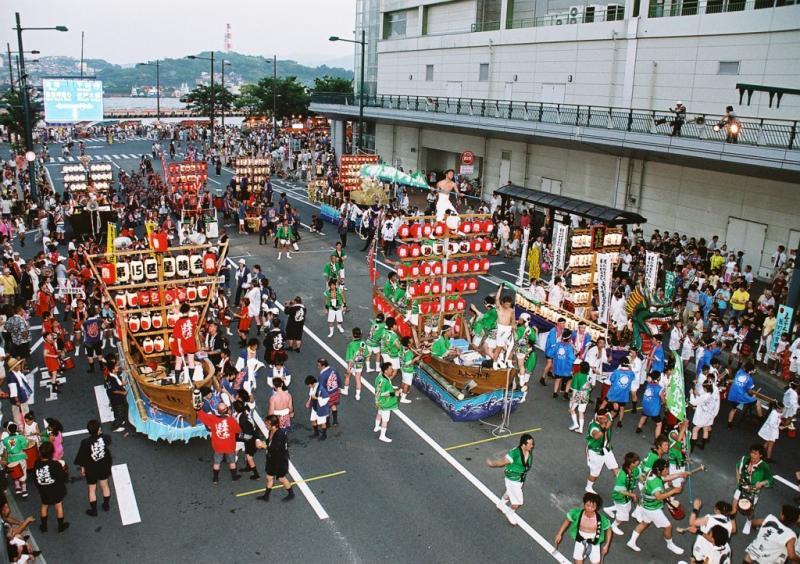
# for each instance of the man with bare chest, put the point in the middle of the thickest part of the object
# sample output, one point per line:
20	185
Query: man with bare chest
444	187
505	327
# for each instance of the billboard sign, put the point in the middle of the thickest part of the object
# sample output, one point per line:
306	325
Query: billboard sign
69	100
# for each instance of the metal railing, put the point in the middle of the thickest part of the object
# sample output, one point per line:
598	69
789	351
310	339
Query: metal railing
671	8
484	26
751	131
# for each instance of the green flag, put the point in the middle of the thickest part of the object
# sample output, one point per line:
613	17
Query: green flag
669	285
676	398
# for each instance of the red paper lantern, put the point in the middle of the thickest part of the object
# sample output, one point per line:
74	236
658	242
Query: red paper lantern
449	287
415	250
412	290
475	265
144	298
435	306
403	251
158	241
487	245
155	298
436	288
476	226
461	285
452	267
402	271
426	288
476	246
403	232
439	228
180	294
426	229
210	263
415	270
465	227
108	273
121	300
487	226
464	266
472	284
461	304
436	268
425	307
426	269
450	305
485	264
416	231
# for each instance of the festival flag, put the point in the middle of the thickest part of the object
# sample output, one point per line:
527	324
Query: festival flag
676	398
110	236
669	285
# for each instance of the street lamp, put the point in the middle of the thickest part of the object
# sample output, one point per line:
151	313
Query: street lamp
363	43
274	93
158	86
211	111
222	100
25	95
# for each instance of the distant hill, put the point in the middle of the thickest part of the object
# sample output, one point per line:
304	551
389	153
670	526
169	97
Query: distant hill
243	68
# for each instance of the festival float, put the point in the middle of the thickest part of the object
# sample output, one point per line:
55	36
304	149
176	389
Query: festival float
90	184
146	289
440	263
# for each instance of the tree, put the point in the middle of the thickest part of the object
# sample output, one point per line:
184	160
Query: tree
291	97
336	84
14	116
199	99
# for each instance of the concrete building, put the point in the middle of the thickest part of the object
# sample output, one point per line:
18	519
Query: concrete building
562	97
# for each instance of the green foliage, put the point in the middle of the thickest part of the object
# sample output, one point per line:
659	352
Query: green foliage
291	97
333	84
200	99
14	117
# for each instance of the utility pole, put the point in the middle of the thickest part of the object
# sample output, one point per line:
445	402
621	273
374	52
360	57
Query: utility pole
10	68
23	87
81	55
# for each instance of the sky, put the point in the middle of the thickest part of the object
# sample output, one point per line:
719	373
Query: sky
130	31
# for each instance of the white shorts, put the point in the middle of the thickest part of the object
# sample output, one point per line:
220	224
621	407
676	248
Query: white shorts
393	360
335	315
283	241
654	516
622	511
443	205
318	419
408	378
503	335
514	492
596	462
385	414
594	553
373	350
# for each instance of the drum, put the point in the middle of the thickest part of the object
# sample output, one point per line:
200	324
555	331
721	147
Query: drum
745	507
68	363
675	509
15	472
32	455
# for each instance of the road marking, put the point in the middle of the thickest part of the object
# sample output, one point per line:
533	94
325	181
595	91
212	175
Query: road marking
37	344
298	479
103	405
469	476
278	485
61	159
75	433
498	262
786	482
214	181
126	499
490	439
114	156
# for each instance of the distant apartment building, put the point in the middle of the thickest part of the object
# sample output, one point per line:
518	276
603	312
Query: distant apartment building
566	97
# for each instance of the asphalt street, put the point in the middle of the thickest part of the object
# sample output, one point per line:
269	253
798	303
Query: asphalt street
427	497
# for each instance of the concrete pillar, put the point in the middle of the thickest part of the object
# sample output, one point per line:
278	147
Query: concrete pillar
504	13
338	138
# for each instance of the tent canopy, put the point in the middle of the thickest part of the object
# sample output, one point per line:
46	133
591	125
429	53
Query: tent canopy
588	210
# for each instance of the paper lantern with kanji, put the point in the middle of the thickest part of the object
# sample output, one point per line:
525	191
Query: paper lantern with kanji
475	265
436	268
412	290
148	346
415	270
108	273
487	226
450	286
425	288
436	287
461	304
180	294
155	297
403	232
485	264
415	250
476	226
426	249
144	298
133	323
452	267
435	306
416	231
210	263
402	271
453	247
439	228
476	245
449	305
158	343
464	266
133	298
425	268
438	248
169	296
425	307
464	247
472	284
403	251
465	227
461	285
426	229
487	245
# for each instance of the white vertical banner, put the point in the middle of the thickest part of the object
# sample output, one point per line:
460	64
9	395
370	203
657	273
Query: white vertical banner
651	270
604	268
559	247
526	237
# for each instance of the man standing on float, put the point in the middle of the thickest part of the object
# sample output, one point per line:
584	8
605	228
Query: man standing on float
444	187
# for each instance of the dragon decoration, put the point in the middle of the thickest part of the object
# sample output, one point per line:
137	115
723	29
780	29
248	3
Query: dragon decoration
643	307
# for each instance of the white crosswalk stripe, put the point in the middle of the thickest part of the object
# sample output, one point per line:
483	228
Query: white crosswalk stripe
61	159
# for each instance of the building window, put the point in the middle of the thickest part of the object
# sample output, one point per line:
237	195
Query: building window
729	67
487	15
394	24
429	73
483	72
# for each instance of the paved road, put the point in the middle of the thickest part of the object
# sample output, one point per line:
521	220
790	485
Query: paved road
424	498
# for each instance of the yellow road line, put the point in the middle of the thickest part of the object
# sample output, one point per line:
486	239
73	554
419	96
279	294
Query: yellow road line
279	486
480	442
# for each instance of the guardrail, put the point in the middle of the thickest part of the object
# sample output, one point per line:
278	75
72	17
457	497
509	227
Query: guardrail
171	113
751	131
